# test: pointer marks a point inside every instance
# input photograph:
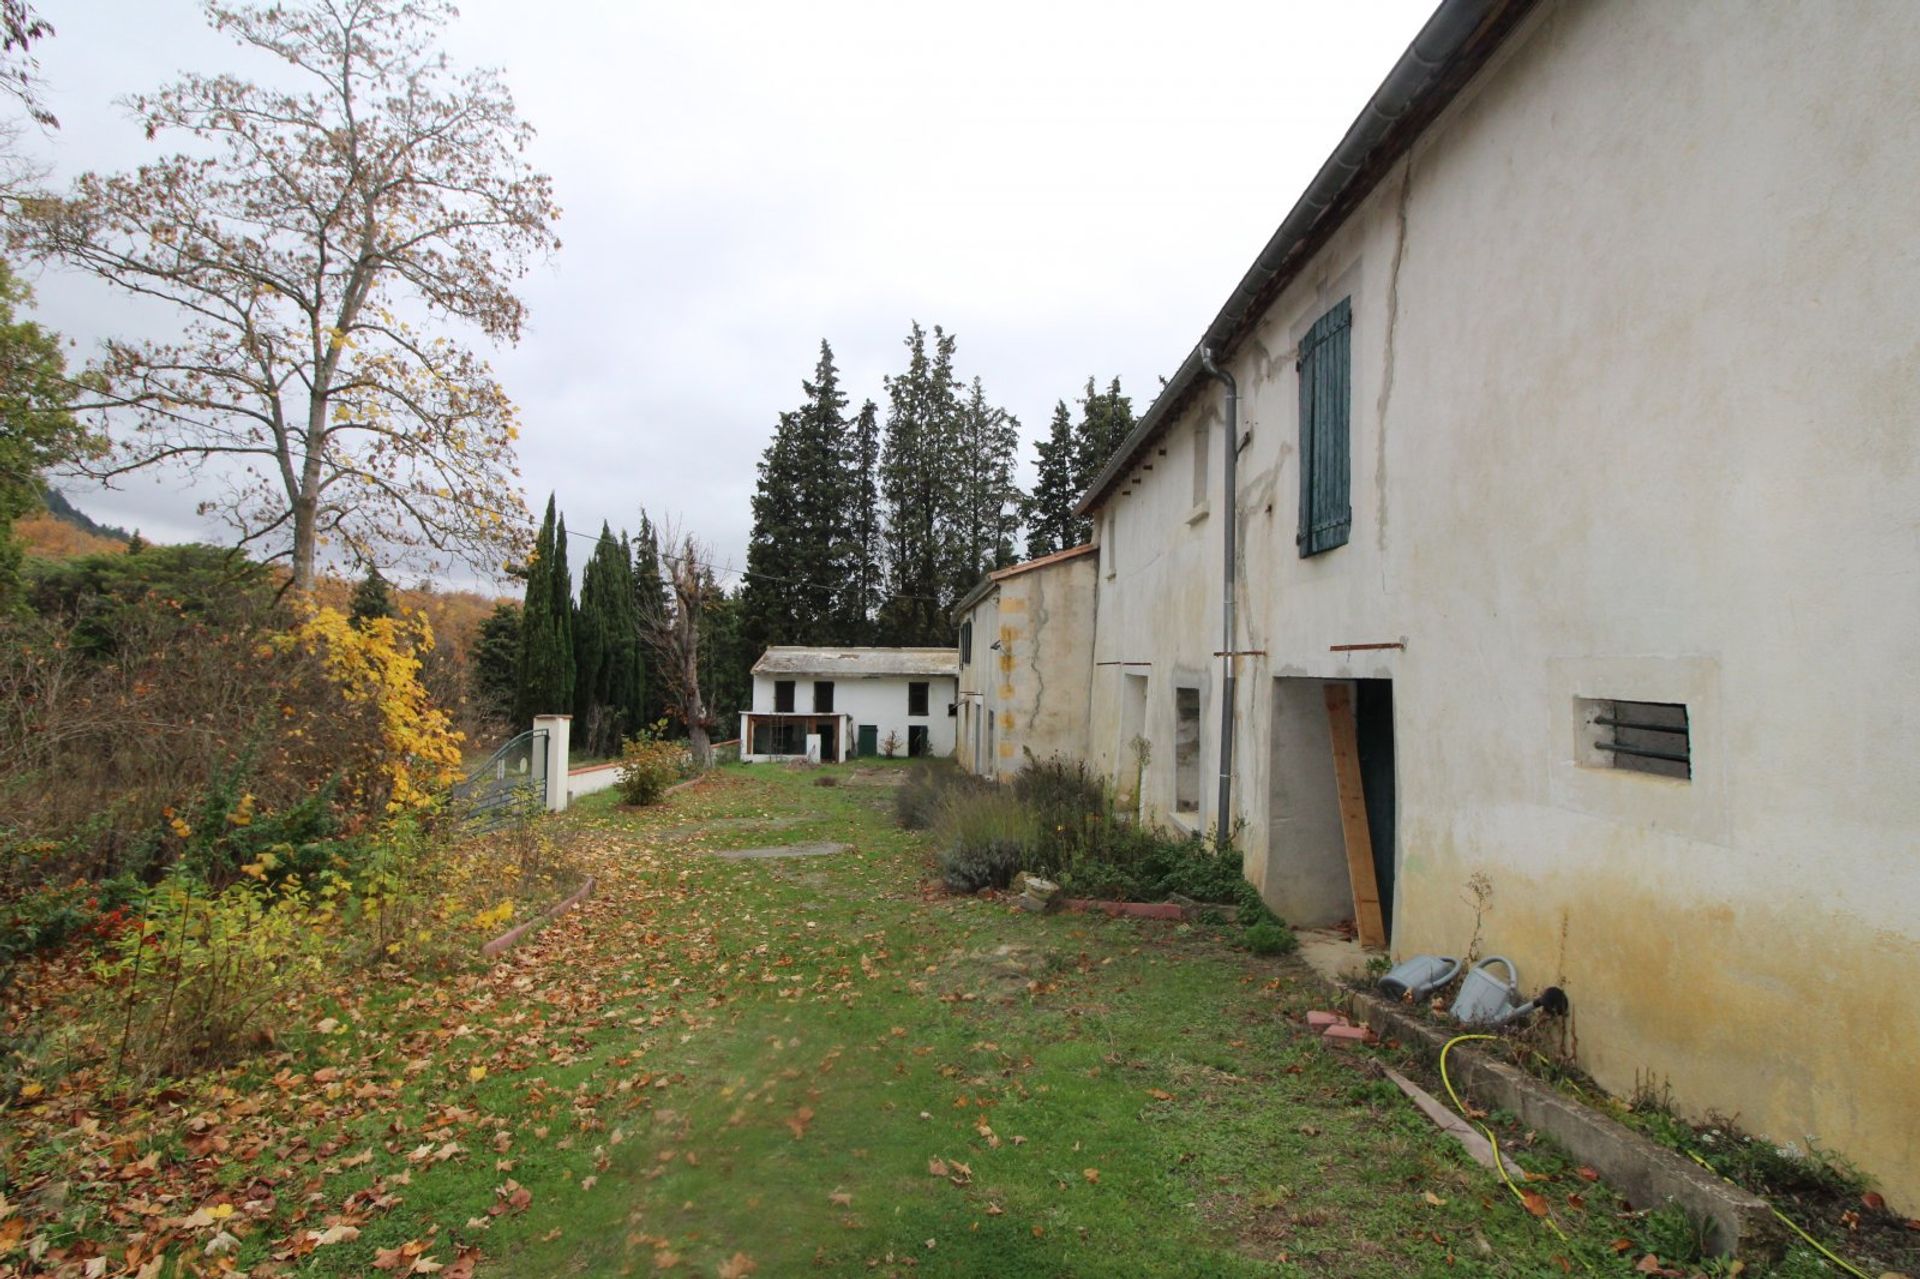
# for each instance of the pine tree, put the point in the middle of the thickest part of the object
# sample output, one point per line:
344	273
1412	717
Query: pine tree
801	512
494	660
371	598
546	626
1051	523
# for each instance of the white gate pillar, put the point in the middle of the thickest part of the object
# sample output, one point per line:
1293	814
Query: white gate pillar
559	730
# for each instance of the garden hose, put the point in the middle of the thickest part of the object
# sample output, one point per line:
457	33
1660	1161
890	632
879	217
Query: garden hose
1790	1224
1501	1167
1499	1164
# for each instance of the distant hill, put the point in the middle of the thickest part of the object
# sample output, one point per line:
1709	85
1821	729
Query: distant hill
67	513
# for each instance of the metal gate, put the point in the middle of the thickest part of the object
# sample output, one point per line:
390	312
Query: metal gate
512	781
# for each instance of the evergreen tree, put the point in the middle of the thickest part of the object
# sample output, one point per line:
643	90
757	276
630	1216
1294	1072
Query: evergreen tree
916	490
1051	523
726	658
1105	421
649	600
606	647
862	558
801	511
985	500
546	627
495	661
371	598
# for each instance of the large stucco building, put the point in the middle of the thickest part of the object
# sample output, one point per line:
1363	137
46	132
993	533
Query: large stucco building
1577	447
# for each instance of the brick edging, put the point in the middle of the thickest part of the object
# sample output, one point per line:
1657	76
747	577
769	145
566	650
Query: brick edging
512	936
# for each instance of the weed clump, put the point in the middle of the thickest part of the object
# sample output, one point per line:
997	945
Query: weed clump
985	838
920	801
648	765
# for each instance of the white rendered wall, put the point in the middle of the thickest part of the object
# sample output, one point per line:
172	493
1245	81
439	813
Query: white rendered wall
1634	414
880	701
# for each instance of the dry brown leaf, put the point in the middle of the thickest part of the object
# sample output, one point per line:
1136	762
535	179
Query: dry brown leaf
1092	1175
738	1266
1535	1201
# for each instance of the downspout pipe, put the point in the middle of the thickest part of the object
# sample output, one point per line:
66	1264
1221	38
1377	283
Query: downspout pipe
1223	812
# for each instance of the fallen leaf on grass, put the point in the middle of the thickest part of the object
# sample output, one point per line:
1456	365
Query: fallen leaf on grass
1435	1200
936	1167
334	1234
840	1199
1159	1094
797	1122
1587	1173
738	1266
1092	1175
1535	1201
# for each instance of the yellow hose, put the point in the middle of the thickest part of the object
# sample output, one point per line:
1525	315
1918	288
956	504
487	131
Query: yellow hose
1499	1164
1501	1167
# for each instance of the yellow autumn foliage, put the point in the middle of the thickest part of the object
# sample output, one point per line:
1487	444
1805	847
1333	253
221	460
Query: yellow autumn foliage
376	663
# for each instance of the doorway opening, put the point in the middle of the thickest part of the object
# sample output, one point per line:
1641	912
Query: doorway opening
1328	737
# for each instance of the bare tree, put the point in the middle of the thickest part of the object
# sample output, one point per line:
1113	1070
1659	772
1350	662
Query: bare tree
672	632
302	242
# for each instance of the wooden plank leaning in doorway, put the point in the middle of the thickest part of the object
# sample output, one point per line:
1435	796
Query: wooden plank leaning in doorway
1353	816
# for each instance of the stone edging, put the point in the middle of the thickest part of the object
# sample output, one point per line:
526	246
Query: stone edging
1133	910
493	948
1647	1174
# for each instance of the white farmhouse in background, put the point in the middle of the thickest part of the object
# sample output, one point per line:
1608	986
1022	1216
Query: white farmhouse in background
831	704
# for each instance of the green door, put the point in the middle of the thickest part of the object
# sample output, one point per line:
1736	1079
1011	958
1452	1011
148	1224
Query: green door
869	743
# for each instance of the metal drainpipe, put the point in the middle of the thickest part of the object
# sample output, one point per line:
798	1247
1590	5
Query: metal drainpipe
1223	815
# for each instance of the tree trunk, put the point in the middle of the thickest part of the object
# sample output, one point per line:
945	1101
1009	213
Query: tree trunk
305	543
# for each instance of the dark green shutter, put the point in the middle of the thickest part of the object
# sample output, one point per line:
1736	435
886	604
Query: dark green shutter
1326	507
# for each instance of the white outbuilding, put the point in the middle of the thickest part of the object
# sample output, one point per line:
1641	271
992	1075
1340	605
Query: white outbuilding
830	704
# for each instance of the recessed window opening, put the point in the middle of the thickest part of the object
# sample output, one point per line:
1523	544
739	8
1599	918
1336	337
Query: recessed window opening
823	697
966	643
1326	392
916	699
1639	737
783	695
1186	750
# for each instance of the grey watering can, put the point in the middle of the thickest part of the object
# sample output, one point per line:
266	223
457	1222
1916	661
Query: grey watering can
1419	977
1486	1000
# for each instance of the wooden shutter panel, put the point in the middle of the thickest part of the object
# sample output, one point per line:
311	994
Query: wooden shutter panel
1325	368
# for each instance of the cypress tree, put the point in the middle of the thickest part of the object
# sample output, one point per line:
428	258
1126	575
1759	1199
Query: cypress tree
862	564
1051	523
985	499
1105	420
916	490
606	647
801	510
546	626
649	600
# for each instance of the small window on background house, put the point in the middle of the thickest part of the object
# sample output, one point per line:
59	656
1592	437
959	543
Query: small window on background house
782	695
966	643
1638	737
916	699
1186	750
1202	434
823	697
1326	394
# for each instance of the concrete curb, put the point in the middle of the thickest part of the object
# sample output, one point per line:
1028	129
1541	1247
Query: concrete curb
1647	1174
1131	910
509	938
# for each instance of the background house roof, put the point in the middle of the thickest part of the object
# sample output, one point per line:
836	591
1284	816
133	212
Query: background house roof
1454	44
851	663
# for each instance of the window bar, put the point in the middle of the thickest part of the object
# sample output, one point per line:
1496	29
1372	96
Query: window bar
1677	757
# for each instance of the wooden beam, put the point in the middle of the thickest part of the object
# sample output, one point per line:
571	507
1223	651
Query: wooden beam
1353	816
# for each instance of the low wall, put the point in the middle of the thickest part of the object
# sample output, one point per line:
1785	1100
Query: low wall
589	778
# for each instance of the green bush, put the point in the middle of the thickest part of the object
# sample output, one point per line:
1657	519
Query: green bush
648	765
985	837
1270	937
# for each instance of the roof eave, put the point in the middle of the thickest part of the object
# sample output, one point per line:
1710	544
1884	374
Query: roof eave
1454	44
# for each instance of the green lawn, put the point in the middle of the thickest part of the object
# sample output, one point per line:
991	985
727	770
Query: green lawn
822	1066
776	1060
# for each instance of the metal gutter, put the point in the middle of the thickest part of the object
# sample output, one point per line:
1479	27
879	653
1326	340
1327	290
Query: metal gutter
1454	44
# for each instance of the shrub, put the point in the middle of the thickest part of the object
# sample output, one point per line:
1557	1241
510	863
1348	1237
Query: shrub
1270	937
918	801
985	838
204	974
648	765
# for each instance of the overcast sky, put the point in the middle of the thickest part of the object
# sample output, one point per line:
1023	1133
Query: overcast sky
1071	188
